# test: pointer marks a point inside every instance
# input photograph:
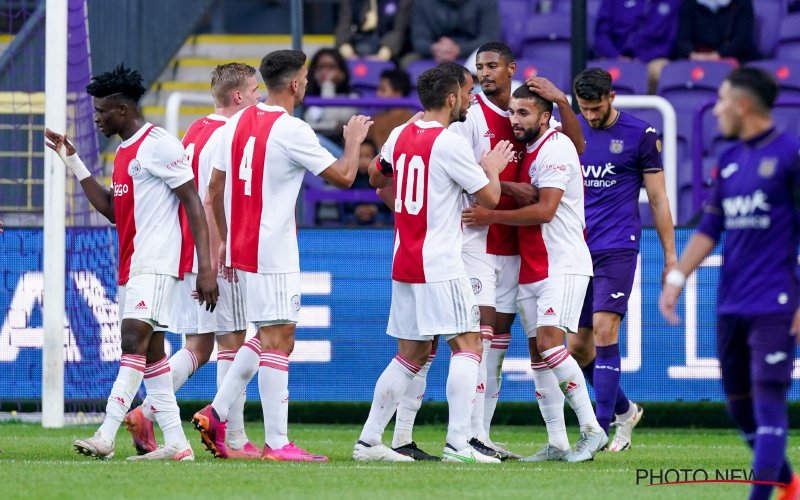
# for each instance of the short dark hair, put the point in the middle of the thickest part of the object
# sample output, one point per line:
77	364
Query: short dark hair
756	82
398	79
592	84
500	48
434	85
228	77
457	70
121	81
523	92
279	66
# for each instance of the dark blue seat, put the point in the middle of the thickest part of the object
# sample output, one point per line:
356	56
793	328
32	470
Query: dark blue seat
547	36
768	14
551	68
629	77
365	74
787	74
416	68
789	38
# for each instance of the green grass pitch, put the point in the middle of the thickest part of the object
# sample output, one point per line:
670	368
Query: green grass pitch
38	463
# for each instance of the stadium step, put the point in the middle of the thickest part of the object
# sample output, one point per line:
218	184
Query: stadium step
247	46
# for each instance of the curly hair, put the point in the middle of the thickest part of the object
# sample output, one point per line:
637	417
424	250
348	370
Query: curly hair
121	80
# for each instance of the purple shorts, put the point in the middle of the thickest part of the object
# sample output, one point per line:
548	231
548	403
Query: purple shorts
611	285
754	349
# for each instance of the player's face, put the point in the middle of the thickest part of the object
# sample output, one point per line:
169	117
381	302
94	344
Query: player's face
109	117
596	113
466	99
527	121
494	75
249	92
728	111
302	82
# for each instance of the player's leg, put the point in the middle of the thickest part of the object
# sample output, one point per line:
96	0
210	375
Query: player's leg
158	378
238	444
410	403
413	351
771	362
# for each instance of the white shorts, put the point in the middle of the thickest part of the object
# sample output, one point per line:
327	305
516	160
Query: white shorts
148	298
554	301
422	310
189	317
271	299
494	280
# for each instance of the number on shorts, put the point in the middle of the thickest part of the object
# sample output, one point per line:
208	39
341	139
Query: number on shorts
414	191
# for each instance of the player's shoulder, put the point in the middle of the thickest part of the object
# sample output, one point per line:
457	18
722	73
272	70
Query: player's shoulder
450	139
635	125
158	137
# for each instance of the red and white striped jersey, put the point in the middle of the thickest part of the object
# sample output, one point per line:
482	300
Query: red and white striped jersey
147	167
559	246
431	166
485	126
266	152
201	141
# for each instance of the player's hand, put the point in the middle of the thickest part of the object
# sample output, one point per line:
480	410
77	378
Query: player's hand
357	128
666	303
796	326
228	273
477	216
545	88
207	289
498	158
58	143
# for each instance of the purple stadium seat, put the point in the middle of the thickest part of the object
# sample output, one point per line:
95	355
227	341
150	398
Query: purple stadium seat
768	15
789	38
551	68
513	14
547	36
365	74
416	68
787	73
629	77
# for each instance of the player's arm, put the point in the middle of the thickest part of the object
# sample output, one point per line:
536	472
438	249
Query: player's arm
378	170
540	212
386	194
102	199
207	289
570	125
342	172
662	218
216	197
493	164
524	193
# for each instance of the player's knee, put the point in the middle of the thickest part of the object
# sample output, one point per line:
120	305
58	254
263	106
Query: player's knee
606	335
131	344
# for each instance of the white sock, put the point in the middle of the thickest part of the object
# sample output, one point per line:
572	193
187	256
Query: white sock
273	386
389	388
494	377
570	379
182	365
410	404
158	382
235	427
129	378
461	381
551	405
240	373
476	421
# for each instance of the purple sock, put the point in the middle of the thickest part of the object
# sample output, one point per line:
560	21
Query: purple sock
769	404
622	404
741	411
606	383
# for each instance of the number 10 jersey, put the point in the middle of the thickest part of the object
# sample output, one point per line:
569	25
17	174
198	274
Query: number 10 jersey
431	166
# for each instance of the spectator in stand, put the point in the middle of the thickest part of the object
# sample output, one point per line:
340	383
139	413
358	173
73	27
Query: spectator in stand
394	83
447	30
328	76
375	29
713	30
640	30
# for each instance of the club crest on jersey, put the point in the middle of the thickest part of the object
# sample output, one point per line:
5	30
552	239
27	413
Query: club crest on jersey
476	313
616	146
477	286
134	168
767	167
295	303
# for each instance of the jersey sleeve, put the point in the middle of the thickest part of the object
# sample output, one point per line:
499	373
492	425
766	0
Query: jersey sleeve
385	163
170	162
461	166
556	164
468	129
304	149
650	152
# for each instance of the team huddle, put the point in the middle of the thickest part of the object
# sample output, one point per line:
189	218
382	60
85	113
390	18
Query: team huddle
498	208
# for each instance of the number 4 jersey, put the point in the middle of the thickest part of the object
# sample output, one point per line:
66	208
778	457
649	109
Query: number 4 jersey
265	152
431	166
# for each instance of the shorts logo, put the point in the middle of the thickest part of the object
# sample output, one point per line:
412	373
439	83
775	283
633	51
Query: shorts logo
295	303
549	312
481	389
775	357
477	286
141	306
476	313
617	295
134	168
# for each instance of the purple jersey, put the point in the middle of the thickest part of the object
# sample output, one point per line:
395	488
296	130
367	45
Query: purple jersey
755	200
613	165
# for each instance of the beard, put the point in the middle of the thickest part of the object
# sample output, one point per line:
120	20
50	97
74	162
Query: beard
530	135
